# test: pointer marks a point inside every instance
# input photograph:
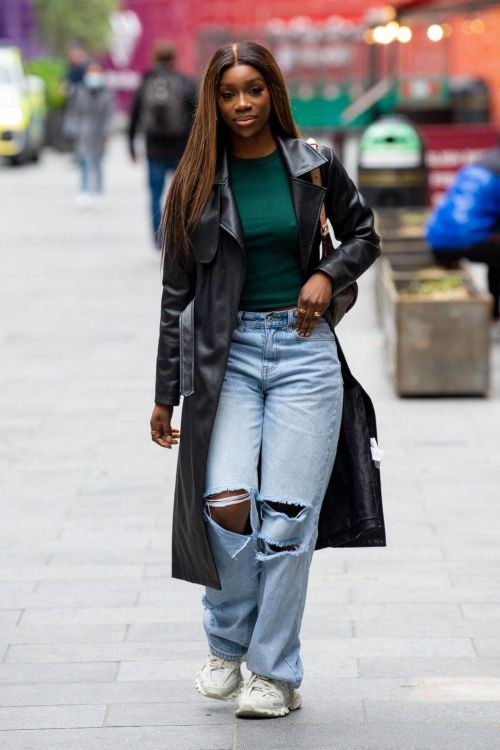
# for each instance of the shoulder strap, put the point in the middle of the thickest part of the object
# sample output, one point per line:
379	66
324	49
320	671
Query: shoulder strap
326	240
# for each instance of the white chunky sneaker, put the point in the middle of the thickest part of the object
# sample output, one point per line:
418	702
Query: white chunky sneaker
262	696
219	678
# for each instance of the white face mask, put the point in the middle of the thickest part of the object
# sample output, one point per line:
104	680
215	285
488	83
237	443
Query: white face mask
94	80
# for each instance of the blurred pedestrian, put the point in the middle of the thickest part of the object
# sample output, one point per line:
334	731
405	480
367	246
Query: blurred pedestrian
78	60
163	109
247	337
466	224
89	122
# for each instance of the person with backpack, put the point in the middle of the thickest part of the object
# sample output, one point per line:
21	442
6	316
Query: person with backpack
163	109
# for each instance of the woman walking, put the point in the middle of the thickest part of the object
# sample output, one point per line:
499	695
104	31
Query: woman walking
246	336
89	122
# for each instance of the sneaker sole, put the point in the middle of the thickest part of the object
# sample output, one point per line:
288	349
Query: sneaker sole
248	711
229	697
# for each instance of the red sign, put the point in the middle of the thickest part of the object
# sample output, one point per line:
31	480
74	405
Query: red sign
449	147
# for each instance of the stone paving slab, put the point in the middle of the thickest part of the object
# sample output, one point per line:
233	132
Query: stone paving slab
108	615
74	634
411	667
200	737
109	651
85	692
46	673
51	717
427	713
169	714
423	628
71	573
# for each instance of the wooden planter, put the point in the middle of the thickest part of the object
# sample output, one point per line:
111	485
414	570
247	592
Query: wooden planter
436	345
403	234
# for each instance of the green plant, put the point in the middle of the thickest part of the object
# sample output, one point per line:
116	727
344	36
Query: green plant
436	286
52	71
62	22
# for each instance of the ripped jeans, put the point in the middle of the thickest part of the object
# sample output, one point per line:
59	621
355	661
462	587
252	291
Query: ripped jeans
281	402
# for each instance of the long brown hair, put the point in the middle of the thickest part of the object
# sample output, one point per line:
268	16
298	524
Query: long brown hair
193	179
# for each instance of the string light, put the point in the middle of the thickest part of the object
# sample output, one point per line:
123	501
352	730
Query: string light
435	32
380	35
386	34
477	26
404	34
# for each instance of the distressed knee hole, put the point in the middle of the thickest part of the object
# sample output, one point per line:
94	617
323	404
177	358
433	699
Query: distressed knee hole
282	527
277	548
230	509
288	509
227	498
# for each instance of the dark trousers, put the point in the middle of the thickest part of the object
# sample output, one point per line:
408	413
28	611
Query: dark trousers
486	252
158	170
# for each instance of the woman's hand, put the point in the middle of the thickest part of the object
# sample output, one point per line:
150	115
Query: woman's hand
314	297
161	430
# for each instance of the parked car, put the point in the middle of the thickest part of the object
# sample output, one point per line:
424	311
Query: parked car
22	109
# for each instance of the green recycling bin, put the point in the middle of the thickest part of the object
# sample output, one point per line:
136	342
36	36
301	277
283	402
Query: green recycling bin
391	164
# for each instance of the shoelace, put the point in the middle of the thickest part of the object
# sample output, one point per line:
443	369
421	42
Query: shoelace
216	663
262	685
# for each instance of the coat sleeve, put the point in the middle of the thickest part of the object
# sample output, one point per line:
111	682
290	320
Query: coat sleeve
178	291
353	224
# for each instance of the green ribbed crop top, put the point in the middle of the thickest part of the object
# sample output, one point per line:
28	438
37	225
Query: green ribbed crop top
262	192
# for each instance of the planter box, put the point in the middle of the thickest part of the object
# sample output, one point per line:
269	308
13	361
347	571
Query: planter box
403	234
437	345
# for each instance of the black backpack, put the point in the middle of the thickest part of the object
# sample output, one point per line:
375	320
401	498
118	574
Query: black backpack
164	110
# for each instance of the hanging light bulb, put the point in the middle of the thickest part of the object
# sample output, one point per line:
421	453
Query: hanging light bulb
391	31
379	35
435	32
477	25
404	34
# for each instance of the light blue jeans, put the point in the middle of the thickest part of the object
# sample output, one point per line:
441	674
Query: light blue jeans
91	174
280	405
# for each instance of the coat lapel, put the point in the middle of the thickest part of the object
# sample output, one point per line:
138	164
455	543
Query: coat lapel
229	216
300	159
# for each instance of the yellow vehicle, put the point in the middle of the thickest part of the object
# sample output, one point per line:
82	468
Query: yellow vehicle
22	109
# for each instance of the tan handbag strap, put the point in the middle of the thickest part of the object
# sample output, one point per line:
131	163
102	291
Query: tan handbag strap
316	178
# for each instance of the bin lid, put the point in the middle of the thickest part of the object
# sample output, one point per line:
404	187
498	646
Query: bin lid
390	142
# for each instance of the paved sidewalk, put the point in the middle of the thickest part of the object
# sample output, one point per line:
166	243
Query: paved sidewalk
98	645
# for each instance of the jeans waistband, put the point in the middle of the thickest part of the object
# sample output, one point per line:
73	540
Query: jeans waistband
246	319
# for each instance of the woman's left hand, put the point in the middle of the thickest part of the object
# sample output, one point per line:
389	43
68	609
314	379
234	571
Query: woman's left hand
314	297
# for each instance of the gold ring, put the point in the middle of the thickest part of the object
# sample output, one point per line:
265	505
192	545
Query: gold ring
317	314
301	310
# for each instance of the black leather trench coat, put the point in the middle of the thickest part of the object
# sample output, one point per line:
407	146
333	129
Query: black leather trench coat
198	310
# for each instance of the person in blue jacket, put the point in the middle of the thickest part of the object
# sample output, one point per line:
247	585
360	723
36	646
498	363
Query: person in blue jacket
466	224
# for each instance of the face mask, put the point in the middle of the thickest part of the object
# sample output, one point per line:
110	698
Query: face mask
94	80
